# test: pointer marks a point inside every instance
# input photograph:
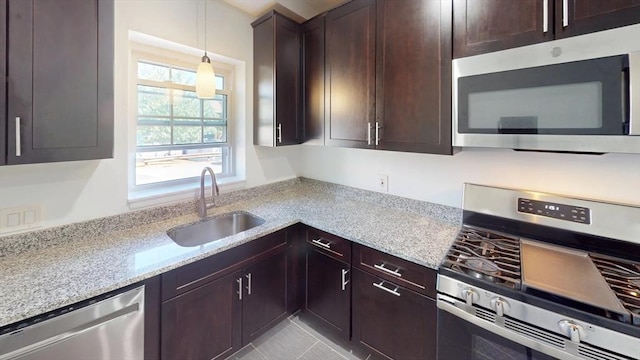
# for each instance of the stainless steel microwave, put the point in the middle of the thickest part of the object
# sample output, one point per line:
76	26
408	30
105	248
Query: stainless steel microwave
579	94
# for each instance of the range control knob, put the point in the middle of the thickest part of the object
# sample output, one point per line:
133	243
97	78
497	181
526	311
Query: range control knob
500	305
572	330
470	296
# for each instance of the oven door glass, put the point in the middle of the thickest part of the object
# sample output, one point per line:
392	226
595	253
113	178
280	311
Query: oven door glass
587	97
461	340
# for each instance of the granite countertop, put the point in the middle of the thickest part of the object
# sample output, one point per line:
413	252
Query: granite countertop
86	260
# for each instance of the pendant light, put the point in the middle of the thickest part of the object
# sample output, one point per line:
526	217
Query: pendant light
205	77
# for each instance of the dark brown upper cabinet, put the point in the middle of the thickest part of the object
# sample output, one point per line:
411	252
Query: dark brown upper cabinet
59	81
350	74
312	33
3	76
413	91
276	85
577	17
491	25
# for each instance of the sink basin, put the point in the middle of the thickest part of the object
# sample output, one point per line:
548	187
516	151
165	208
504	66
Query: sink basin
214	229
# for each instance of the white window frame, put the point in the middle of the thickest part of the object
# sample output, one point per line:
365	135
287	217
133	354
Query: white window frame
169	191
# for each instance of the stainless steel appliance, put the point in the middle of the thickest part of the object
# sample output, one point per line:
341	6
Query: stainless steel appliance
540	276
109	327
580	94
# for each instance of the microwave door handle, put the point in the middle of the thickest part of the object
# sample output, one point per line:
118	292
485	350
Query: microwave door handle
634	93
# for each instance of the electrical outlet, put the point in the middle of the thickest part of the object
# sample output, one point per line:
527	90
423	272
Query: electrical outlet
20	218
382	183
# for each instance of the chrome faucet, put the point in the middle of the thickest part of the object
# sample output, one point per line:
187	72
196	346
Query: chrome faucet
202	203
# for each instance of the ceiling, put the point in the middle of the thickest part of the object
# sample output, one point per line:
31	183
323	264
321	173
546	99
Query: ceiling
305	8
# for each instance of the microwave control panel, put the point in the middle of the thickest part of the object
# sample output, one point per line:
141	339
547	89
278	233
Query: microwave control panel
553	210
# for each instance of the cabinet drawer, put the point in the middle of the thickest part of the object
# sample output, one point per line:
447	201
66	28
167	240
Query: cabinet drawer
193	275
389	267
334	246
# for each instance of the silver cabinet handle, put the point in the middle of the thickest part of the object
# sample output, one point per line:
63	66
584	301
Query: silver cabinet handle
279	133
565	13
545	16
321	244
344	279
388	271
18	147
239	281
368	133
248	283
381	287
377	133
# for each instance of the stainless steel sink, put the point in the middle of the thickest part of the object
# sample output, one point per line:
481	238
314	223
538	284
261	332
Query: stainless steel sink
214	229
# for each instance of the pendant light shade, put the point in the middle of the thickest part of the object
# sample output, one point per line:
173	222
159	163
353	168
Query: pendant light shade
205	77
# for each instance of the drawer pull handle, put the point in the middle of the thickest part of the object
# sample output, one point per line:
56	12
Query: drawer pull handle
381	267
321	244
344	279
382	287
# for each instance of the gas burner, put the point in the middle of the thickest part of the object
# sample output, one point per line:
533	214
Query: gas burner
487	256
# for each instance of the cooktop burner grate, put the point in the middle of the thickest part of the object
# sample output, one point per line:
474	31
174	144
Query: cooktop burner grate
623	277
486	255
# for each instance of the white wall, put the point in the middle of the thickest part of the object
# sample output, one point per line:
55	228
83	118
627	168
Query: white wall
76	191
439	178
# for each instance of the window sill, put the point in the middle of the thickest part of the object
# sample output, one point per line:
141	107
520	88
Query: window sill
176	193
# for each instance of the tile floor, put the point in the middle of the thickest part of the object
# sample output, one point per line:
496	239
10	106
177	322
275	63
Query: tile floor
292	340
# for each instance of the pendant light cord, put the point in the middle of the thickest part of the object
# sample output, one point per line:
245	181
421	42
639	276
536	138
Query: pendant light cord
205	27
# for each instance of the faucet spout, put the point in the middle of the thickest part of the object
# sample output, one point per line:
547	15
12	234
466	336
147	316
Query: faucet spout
215	191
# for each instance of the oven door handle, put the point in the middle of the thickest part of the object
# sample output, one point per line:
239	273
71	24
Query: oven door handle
450	305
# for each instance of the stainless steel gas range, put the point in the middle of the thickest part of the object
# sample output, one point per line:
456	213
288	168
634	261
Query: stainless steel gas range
540	276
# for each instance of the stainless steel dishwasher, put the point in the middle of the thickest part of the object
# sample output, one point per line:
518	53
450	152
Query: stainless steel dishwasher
108	327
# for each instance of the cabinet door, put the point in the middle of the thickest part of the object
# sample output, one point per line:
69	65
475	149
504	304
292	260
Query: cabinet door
491	25
350	74
264	301
327	291
413	102
576	17
60	80
287	81
276	49
3	84
391	320
313	80
203	323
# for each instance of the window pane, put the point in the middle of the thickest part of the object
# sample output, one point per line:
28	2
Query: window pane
187	131
219	82
185	103
158	166
215	134
153	101
153	135
183	77
152	72
216	108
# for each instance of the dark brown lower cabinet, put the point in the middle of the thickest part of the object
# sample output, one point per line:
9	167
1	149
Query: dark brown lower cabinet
327	292
264	299
204	323
216	305
391	321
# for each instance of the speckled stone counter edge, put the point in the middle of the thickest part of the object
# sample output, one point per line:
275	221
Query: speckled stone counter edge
40	239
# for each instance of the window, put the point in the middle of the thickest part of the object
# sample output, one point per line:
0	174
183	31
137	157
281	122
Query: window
177	134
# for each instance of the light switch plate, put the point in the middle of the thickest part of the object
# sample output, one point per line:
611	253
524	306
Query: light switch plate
20	218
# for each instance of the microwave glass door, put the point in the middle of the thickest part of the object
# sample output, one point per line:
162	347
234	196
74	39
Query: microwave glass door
579	98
